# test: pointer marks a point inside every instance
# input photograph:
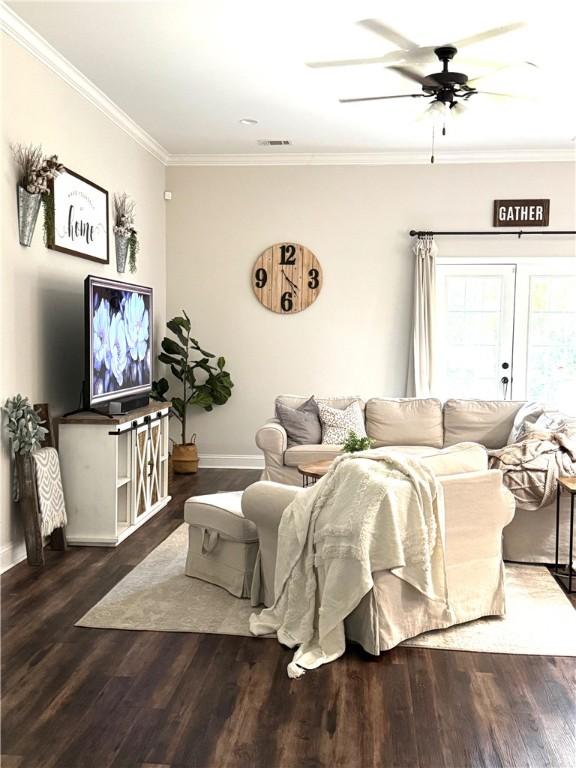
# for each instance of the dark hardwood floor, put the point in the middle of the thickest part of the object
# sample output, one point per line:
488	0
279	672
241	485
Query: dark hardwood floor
87	698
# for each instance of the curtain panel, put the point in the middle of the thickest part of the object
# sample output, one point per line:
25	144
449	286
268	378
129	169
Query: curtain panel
421	373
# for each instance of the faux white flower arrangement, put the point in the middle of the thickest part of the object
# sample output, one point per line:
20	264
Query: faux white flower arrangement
35	169
124	226
120	342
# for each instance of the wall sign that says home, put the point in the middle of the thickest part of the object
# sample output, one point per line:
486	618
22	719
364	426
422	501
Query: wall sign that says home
521	213
80	217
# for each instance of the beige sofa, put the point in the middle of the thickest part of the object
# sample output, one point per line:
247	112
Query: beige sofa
477	508
416	425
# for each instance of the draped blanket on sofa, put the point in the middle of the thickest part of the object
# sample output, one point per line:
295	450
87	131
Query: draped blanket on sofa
376	510
531	466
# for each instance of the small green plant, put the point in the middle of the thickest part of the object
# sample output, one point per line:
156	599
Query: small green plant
24	425
48	207
203	384
133	248
353	443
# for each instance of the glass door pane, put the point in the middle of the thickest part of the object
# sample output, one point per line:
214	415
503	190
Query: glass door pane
550	370
475	330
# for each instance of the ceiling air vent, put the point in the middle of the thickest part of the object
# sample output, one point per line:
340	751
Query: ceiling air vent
274	142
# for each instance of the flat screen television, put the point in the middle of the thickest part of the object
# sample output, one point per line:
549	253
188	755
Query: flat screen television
118	341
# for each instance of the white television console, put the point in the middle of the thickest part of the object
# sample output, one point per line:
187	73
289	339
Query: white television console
114	472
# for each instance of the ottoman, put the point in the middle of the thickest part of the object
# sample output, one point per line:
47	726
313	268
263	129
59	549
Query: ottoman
222	544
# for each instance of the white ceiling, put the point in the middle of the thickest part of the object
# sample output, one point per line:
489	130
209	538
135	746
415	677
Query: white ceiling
187	72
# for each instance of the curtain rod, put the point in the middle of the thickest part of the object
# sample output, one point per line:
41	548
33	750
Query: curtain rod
518	232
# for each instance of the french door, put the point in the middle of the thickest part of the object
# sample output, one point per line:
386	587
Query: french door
507	331
475	330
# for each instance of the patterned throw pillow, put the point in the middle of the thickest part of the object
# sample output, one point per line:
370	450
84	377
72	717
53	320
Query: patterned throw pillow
336	423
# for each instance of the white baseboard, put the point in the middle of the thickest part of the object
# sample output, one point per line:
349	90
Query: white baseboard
11	555
230	461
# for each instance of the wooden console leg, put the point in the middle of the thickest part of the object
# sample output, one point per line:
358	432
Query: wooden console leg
29	511
58	539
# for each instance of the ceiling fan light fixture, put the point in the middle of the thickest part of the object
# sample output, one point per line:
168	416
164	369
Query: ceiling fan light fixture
437	108
457	109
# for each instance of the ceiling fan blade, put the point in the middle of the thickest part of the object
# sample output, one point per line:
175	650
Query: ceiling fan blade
411	74
379	98
488	34
502	95
388	33
346	62
500	68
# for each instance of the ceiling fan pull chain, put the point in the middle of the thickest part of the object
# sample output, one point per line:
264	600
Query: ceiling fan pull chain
432	156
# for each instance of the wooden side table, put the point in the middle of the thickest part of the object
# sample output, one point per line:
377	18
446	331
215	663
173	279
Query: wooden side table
567	484
313	471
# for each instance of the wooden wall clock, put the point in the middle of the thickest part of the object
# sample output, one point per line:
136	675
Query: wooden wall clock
287	278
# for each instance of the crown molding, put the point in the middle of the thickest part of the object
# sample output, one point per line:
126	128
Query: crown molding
35	44
400	157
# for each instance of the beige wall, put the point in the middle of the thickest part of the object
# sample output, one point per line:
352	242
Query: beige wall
42	290
355	338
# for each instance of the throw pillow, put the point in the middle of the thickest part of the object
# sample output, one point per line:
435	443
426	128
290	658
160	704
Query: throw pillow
302	424
336	423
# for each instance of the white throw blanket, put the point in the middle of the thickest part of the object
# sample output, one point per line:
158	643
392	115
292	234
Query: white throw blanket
375	510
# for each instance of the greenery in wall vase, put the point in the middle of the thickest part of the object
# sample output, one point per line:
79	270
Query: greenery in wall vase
202	383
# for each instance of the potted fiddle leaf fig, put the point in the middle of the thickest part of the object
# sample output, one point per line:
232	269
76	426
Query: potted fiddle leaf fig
202	384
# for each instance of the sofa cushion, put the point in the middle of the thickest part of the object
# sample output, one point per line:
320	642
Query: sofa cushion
459	458
220	512
306	454
405	421
302	424
335	401
463	457
338	423
487	422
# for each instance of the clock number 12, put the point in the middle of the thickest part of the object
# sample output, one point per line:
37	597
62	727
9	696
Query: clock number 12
287	255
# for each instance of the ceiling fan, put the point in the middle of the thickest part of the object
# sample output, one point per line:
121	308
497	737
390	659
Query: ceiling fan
447	90
408	51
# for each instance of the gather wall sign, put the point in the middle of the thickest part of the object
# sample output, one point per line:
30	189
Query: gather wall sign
521	213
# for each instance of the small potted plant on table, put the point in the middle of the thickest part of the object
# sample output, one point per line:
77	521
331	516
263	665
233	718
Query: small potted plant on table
354	443
202	384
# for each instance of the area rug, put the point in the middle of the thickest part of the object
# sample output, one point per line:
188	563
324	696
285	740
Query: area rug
157	596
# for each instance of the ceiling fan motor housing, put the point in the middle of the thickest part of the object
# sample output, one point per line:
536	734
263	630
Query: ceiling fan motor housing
446	52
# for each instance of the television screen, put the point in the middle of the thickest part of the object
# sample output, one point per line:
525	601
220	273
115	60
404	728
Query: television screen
118	339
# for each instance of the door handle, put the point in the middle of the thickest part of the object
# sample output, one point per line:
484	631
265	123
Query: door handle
505	381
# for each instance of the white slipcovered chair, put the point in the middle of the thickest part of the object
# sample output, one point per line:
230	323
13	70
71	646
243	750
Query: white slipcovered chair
477	508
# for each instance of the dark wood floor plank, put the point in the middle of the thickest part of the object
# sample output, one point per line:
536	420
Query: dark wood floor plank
84	698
